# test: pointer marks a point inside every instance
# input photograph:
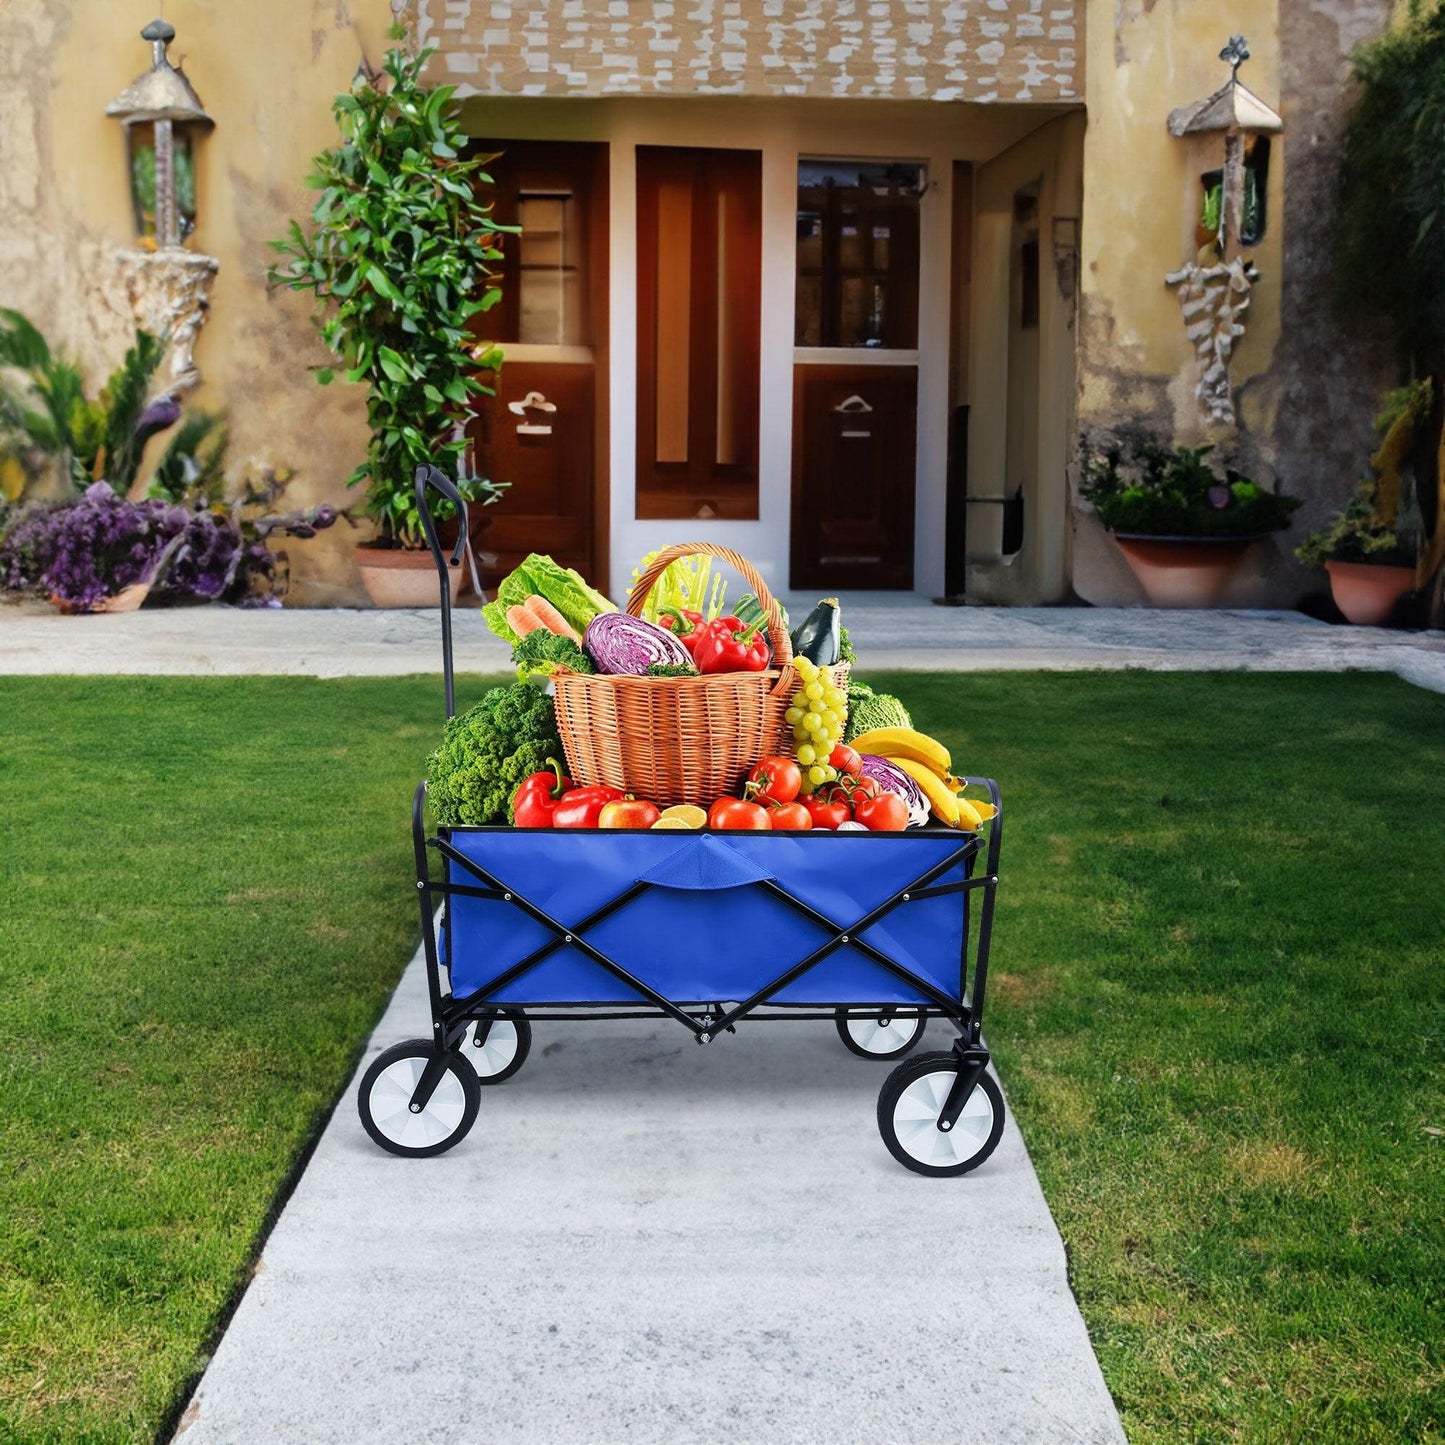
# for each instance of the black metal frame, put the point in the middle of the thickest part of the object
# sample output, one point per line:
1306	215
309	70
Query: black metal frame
451	1016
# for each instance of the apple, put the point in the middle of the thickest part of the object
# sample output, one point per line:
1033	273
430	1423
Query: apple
629	813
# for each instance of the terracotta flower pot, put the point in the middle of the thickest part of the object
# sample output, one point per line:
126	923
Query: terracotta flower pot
1368	592
128	599
1183	571
394	577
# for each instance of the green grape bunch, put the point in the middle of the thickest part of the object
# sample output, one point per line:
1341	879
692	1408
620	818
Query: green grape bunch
817	715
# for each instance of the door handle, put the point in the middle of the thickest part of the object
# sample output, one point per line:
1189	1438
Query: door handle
853	405
533	401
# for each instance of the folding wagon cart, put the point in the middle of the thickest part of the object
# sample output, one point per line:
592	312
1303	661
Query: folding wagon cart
876	932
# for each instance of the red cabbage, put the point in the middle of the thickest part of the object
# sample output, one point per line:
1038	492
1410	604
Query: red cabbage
626	645
892	779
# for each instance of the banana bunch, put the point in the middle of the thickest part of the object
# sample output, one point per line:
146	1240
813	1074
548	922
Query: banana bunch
928	763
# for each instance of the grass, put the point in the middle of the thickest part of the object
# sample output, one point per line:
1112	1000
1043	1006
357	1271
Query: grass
204	905
1219	1009
1217	1003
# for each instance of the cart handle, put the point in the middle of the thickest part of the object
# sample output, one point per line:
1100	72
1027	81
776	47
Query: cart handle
430	476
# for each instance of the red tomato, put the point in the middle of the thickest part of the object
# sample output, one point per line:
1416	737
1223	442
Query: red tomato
846	760
775	779
825	812
735	814
887	813
629	813
790	818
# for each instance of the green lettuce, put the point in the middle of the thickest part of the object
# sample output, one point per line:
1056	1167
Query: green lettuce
540	576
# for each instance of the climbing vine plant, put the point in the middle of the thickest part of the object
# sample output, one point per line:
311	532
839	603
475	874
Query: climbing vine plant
1391	254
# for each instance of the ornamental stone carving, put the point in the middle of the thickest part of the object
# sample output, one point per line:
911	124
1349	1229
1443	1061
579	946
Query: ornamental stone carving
169	293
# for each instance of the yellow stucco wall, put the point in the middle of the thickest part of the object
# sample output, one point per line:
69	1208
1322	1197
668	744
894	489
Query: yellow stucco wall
266	70
1144	58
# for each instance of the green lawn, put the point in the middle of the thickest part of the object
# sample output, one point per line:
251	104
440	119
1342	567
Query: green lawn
1217	1003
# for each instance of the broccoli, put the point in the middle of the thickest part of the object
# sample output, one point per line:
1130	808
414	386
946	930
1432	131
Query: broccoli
540	653
876	711
845	647
670	669
487	751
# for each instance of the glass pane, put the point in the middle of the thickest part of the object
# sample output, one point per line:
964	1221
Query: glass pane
808	312
674	317
850	248
549	280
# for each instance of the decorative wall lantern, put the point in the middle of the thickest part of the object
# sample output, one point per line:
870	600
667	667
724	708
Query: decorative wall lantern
161	114
1214	291
166	286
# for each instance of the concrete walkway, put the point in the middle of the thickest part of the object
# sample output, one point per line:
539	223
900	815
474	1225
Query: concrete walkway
642	1240
888	629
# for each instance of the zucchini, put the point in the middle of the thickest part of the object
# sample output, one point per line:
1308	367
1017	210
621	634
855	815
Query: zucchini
754	614
818	637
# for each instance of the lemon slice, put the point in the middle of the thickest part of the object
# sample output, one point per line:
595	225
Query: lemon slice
672	823
688	815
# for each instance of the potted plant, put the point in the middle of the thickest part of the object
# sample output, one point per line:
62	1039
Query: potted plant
1181	525
1371	549
398	254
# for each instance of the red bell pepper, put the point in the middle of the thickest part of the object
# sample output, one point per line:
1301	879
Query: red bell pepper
582	807
684	624
729	645
537	796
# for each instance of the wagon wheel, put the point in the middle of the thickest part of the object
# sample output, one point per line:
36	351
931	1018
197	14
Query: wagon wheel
387	1111
909	1107
878	1034
498	1045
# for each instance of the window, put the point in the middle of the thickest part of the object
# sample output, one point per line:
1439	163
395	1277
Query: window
857	268
552	191
699	267
549	270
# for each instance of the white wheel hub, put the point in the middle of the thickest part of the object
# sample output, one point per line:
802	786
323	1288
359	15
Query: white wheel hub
915	1122
496	1053
391	1112
874	1036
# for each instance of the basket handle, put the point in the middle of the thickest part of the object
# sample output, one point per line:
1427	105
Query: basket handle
777	633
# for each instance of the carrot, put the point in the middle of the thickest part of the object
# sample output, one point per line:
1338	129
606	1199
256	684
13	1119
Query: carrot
521	621
547	616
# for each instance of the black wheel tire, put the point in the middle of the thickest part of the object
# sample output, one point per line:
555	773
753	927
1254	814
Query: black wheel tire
846	1016
383	1076
945	1065
478	1059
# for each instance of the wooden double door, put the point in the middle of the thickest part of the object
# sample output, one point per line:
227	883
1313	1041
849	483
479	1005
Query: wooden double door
544	431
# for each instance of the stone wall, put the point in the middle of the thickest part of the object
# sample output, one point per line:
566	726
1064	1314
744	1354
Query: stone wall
983	50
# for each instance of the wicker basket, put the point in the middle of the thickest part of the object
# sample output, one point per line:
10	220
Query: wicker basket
678	739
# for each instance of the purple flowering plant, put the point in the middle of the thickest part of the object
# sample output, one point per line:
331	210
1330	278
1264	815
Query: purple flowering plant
83	551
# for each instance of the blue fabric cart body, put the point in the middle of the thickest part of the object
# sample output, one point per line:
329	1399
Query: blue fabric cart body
711	923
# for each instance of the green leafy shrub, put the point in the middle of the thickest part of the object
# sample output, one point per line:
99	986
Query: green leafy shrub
398	255
1139	486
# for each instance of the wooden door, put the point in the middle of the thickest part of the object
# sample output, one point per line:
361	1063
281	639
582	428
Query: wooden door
537	435
854	431
544	432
